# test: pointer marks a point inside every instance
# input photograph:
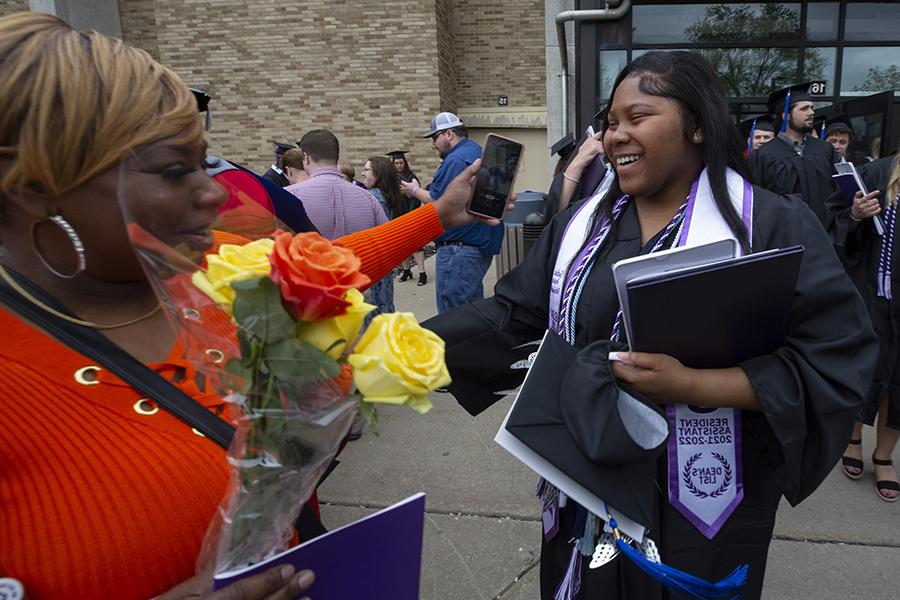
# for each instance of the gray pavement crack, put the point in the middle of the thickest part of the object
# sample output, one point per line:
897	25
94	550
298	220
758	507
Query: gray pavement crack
449	513
785	538
516	580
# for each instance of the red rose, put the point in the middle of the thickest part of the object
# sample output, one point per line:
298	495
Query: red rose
314	274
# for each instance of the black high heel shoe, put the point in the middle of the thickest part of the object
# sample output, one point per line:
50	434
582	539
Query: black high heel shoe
423	278
406	276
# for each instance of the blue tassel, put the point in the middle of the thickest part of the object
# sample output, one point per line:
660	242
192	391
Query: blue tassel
787	111
750	139
571	583
682	584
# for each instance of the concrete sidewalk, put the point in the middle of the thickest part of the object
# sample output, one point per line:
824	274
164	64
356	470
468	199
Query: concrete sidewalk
482	535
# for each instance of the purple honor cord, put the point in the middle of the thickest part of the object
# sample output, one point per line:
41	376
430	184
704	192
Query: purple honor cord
886	257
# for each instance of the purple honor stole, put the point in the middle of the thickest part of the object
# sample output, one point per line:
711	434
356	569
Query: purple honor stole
706	480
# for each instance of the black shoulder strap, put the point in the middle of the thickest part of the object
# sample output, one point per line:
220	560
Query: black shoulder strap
99	348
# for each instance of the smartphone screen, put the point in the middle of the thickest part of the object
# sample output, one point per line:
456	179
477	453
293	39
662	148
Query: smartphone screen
493	186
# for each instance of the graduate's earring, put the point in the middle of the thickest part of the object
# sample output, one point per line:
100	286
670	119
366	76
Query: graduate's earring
697	137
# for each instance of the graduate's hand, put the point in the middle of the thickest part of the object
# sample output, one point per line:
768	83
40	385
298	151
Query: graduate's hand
588	151
659	377
866	206
278	583
452	206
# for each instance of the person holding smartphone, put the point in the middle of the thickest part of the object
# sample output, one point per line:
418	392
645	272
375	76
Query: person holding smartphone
463	254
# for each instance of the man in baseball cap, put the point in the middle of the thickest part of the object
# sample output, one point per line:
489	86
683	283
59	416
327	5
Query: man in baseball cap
441	122
463	254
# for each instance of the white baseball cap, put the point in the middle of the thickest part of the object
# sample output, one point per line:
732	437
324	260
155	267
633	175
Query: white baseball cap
442	121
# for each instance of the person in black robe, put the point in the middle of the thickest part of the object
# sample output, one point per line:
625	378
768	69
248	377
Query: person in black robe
799	402
796	164
275	174
866	256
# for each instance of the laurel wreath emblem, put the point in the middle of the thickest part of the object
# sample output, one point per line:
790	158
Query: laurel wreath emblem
689	481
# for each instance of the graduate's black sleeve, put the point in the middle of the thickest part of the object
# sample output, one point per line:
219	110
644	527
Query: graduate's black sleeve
757	166
485	338
810	389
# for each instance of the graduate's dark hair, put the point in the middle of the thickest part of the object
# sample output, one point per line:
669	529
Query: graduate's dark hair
387	181
689	79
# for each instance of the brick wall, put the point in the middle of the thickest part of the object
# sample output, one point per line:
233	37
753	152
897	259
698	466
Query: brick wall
500	51
446	39
8	7
139	26
373	73
366	71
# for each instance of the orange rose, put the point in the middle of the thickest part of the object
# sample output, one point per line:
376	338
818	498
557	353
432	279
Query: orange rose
314	274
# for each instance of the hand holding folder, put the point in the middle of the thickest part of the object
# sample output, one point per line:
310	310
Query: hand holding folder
712	315
849	181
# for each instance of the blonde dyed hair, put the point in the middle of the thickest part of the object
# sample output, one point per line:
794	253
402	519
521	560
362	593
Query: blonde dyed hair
73	104
893	187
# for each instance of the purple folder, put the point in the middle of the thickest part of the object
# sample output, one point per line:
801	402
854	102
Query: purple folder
378	557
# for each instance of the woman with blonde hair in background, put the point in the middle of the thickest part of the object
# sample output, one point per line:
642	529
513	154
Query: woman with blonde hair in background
102	494
872	263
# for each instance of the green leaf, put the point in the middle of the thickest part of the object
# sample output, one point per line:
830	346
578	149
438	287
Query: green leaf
259	312
292	359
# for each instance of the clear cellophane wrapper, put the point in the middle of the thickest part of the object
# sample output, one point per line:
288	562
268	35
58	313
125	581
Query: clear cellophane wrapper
291	409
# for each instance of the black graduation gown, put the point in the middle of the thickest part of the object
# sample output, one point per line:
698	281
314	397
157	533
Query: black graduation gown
860	250
778	168
810	391
276	178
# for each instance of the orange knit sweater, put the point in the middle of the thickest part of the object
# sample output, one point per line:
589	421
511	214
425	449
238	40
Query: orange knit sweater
98	500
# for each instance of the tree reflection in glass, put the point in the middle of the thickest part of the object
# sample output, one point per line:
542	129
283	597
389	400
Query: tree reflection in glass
754	71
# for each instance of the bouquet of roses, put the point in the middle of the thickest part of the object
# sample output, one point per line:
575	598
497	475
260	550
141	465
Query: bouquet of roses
303	366
273	323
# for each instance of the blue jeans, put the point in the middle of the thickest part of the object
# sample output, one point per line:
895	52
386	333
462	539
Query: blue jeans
381	294
458	274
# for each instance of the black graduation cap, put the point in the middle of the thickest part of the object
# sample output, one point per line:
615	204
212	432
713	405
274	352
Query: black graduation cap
281	147
203	99
563	146
840	122
396	154
573	413
759	122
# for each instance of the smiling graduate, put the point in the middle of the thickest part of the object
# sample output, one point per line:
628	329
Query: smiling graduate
680	175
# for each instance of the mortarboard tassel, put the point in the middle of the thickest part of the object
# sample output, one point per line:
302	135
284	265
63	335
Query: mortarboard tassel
787	111
750	141
682	584
822	132
571	583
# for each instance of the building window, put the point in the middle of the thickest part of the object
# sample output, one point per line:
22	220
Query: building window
872	21
870	70
822	22
818	65
608	67
773	23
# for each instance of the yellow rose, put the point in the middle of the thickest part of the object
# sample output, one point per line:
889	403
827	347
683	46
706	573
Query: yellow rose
323	334
233	263
398	362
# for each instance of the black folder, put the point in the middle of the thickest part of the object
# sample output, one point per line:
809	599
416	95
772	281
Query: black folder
716	315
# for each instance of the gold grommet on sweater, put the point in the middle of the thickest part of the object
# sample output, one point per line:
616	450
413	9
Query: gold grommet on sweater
215	356
87	375
145	407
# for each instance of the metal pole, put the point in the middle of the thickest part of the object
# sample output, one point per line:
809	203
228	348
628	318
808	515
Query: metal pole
605	14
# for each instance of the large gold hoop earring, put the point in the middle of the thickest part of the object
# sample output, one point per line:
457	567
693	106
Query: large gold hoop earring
60	222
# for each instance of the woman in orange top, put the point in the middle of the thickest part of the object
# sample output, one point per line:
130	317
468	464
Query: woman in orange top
102	494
